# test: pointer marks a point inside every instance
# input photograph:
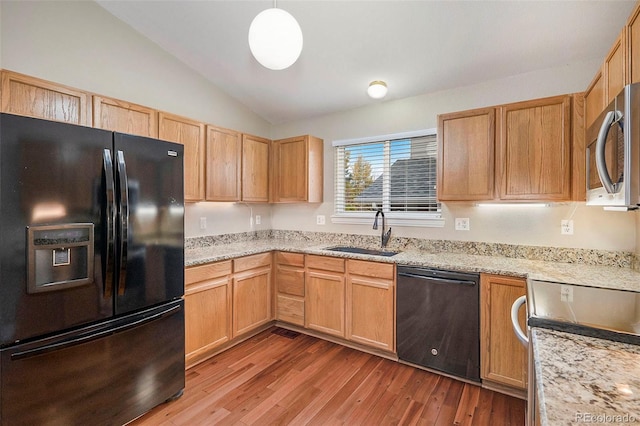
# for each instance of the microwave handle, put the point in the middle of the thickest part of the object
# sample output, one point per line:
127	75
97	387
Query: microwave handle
601	165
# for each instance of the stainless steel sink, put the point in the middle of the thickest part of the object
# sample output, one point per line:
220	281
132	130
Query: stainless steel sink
359	250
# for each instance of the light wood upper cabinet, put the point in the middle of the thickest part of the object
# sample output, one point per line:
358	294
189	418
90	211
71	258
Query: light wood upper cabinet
535	150
370	304
224	153
190	134
255	169
33	97
594	99
207	309
615	68
251	292
124	117
297	170
633	46
466	155
503	357
578	149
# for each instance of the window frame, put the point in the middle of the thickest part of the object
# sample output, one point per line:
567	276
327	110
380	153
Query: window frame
419	219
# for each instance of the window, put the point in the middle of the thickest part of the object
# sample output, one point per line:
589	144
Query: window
396	173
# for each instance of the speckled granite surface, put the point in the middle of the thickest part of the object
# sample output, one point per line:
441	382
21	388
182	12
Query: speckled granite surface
575	266
586	380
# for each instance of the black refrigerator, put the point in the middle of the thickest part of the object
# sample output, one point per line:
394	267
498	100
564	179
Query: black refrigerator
91	274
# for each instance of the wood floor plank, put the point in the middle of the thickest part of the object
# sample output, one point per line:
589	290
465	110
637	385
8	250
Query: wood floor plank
276	380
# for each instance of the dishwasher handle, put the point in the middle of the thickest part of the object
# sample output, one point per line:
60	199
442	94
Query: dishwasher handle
437	279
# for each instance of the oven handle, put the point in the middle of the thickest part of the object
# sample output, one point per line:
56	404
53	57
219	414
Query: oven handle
610	119
514	320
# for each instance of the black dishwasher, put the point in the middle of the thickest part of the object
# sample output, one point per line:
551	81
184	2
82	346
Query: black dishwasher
438	320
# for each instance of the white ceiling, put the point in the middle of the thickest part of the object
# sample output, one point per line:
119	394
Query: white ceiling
417	47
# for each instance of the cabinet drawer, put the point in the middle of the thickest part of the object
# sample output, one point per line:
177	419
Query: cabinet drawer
290	309
251	262
290	280
293	259
325	263
371	269
196	274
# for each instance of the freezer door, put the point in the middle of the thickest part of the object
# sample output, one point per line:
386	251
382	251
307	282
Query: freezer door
52	238
150	225
107	374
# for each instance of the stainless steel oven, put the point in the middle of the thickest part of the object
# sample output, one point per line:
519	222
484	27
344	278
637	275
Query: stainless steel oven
613	153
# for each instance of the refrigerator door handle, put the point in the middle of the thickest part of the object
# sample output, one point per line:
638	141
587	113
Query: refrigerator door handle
93	336
124	220
110	213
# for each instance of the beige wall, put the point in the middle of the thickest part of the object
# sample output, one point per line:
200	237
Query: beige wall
81	45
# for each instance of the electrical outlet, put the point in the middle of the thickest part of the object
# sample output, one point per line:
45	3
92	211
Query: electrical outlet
320	219
203	223
566	227
258	219
462	224
566	293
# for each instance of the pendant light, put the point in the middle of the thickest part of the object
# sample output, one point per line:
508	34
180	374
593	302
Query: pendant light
275	38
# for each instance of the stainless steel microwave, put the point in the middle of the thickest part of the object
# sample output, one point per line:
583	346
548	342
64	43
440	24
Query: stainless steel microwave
613	153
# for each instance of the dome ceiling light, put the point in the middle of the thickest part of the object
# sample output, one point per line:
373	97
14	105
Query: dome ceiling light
275	38
377	89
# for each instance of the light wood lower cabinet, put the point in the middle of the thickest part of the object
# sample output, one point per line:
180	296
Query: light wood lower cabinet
290	287
371	304
325	295
207	309
251	292
503	357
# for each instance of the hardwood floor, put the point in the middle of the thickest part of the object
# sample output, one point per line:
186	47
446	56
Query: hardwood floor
275	380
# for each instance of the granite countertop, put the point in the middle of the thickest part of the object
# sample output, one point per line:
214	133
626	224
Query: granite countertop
585	380
570	273
579	378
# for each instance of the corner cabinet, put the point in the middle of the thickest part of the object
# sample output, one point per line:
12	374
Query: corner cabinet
255	169
208	309
224	153
466	146
33	97
535	150
297	170
503	357
190	134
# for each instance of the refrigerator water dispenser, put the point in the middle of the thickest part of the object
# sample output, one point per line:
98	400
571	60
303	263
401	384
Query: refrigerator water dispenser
59	256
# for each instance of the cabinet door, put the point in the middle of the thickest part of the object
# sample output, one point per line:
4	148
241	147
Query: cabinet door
503	357
251	299
615	69
578	149
535	150
224	151
207	317
325	302
370	311
255	169
32	97
124	117
290	170
466	143
594	99
633	45
190	134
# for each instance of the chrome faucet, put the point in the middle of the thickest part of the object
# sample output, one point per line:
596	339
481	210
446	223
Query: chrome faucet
384	236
